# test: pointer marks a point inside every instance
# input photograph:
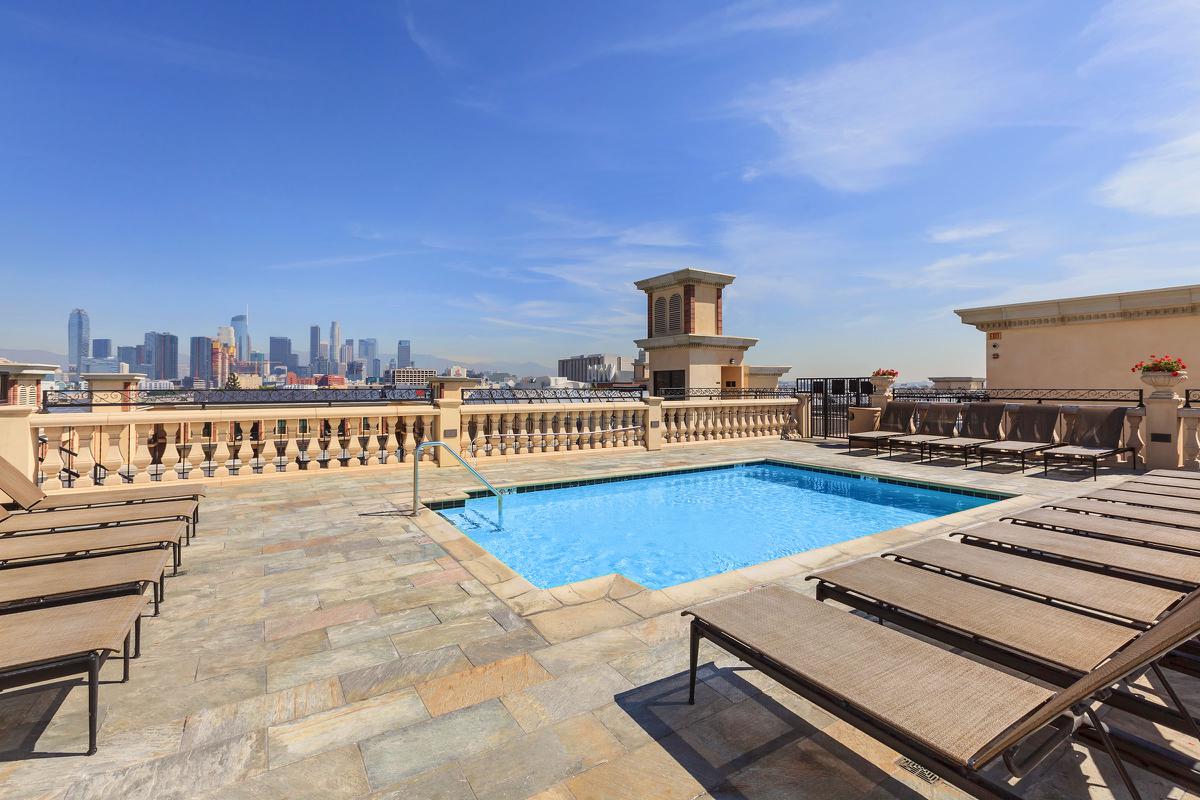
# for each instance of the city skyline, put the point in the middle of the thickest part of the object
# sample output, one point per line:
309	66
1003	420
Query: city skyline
862	169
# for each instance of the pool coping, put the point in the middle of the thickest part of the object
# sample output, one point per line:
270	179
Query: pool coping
528	600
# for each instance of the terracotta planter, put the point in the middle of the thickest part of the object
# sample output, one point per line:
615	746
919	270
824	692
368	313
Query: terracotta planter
1164	383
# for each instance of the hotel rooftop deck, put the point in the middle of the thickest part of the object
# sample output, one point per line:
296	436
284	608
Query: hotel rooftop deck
322	643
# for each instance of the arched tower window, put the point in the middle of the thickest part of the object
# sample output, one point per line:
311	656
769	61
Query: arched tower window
660	316
675	323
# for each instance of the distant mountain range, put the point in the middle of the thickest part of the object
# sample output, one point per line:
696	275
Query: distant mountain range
424	360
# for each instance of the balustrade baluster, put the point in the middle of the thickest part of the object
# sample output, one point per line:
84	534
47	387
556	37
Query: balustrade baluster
220	449
141	453
479	444
111	457
52	465
410	437
291	444
1191	446
371	433
308	442
192	452
427	426
1134	440
172	433
521	441
85	458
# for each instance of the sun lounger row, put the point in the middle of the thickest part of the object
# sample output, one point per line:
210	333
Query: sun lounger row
74	574
975	429
1002	642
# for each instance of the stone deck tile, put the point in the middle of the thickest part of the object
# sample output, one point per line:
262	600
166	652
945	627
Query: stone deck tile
474	685
261	711
327	663
346	724
283	627
571	622
574	693
403	672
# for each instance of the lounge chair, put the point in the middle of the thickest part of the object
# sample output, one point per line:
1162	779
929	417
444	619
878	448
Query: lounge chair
49	643
1105	508
48	547
101	516
1185	474
980	425
1122	530
1172	487
1134	561
951	714
938	421
895	420
87	578
30	497
1119	495
1030	431
1094	434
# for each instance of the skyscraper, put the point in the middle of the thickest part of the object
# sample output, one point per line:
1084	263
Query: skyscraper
314	345
404	353
128	355
201	358
241	336
335	342
162	354
368	349
280	351
79	337
102	348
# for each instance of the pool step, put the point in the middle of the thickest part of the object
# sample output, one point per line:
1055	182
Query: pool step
471	519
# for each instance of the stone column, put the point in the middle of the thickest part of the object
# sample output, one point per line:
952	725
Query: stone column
18	440
653	422
1162	429
447	427
113	382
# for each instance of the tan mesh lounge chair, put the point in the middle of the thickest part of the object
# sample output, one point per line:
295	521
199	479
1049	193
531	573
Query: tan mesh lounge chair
938	421
980	425
1185	474
101	516
1121	530
1174	487
896	420
1118	495
86	578
42	547
1030	430
1105	508
949	713
30	497
1095	434
49	643
1173	570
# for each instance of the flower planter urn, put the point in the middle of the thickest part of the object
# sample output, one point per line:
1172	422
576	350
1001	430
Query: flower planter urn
1164	383
882	384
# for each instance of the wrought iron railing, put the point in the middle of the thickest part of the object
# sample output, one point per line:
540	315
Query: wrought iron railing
928	394
508	396
89	398
724	394
838	386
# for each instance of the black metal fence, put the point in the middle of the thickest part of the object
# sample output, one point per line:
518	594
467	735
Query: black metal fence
89	398
508	396
725	394
830	402
1039	396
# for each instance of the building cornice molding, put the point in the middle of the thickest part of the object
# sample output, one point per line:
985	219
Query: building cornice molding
1177	301
777	371
696	340
683	276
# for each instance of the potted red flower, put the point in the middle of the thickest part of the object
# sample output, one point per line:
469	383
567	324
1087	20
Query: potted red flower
1161	372
882	380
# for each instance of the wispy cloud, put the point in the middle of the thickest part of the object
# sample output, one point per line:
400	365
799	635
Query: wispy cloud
854	125
1163	181
754	16
432	48
335	261
961	233
124	43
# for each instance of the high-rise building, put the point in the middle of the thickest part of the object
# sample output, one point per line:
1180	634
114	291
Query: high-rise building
220	363
129	355
335	340
346	354
200	354
368	349
241	334
162	356
79	337
404	354
314	344
102	348
280	351
93	364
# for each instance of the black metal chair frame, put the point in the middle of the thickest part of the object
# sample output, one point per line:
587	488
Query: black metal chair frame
1047	458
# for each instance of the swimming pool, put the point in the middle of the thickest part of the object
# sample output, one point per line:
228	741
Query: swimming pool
677	527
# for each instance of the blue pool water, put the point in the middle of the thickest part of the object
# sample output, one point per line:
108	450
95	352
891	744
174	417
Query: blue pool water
673	528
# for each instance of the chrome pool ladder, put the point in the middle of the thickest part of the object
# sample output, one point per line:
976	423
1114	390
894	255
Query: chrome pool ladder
448	449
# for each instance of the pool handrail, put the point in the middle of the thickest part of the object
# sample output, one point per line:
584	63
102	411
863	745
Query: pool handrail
446	448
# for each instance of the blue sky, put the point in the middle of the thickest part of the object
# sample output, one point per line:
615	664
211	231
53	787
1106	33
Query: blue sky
488	179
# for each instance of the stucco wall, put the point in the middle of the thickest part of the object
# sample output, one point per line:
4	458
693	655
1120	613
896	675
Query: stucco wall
1087	355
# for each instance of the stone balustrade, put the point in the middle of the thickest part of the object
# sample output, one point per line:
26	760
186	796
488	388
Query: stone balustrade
689	421
501	431
106	449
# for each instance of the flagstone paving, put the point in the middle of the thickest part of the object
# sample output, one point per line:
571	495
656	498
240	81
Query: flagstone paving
322	643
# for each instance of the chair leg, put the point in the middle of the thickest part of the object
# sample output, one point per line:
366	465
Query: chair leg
125	657
93	699
695	657
1102	730
137	637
